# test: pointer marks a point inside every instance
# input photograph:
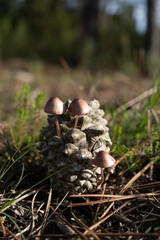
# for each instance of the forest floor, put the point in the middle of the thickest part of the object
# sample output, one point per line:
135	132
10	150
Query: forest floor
128	204
109	87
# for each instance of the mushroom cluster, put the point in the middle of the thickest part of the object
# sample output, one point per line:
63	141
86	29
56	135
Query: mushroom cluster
77	140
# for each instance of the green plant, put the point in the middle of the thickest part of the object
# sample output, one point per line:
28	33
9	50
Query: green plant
26	129
137	128
130	127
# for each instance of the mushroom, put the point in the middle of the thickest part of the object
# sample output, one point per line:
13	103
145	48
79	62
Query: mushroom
78	107
103	160
56	107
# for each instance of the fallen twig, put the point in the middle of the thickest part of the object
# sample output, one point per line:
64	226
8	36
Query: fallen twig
108	234
85	227
105	218
119	198
136	177
3	229
46	210
134	101
70	225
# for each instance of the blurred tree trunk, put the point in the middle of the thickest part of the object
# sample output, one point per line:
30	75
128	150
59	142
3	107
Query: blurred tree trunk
89	37
89	18
152	41
152	38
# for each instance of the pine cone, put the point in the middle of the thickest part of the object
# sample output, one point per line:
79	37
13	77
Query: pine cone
76	149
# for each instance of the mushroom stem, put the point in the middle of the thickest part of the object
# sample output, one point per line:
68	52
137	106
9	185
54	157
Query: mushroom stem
57	126
101	180
91	146
76	121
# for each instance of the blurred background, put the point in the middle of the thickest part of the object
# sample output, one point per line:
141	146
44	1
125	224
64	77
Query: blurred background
104	49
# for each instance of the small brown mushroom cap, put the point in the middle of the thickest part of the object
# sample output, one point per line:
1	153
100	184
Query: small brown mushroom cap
55	106
78	107
104	160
